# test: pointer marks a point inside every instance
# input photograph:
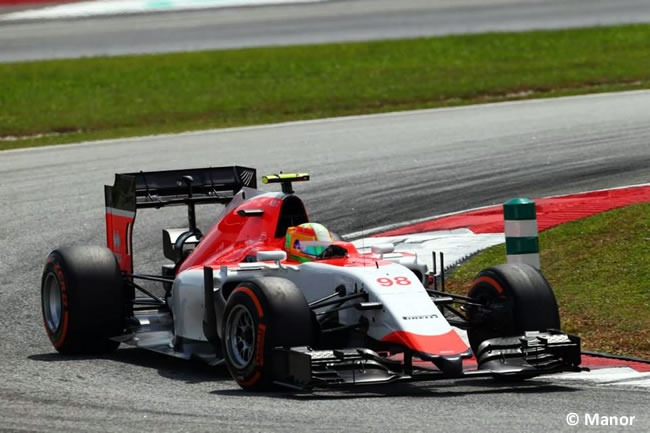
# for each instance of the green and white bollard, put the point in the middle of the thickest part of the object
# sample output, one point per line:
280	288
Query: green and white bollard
522	242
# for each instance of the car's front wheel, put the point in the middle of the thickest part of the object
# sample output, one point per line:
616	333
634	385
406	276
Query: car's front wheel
260	315
517	298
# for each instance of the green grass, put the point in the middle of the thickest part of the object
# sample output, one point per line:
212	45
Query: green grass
599	268
96	98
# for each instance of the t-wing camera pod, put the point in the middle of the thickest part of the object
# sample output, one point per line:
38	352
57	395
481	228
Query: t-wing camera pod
286	180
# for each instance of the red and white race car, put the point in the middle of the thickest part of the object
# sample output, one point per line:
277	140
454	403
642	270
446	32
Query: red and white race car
283	301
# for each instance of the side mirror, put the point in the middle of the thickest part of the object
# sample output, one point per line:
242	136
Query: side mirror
382	249
271	256
170	238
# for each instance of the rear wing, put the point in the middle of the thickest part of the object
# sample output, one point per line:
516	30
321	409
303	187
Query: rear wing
156	189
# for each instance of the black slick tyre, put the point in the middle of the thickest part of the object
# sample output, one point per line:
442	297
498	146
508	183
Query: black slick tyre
520	299
262	314
82	300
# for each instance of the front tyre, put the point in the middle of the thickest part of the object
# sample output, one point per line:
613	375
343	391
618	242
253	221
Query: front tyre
518	298
82	300
260	315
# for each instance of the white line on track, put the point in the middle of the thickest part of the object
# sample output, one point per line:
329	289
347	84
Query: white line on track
389	115
614	376
118	7
455	244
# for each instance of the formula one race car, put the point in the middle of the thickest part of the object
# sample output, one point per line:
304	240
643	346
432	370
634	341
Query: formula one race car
283	301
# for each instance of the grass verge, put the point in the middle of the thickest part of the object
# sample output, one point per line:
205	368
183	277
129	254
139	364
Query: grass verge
49	102
599	268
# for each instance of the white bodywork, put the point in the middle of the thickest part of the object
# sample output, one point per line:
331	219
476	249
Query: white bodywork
406	306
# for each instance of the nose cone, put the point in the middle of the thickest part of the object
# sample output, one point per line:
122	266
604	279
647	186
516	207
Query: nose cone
445	344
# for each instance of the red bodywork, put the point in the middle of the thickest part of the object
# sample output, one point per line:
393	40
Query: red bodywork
236	236
119	235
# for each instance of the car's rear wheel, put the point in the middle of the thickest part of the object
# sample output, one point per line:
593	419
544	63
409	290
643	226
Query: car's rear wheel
82	300
260	315
518	298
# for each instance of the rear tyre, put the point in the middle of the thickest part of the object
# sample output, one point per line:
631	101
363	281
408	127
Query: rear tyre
82	300
521	300
260	315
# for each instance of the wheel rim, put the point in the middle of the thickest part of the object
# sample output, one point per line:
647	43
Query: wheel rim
240	336
52	305
498	322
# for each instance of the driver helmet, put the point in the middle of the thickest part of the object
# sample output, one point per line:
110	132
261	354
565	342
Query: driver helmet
307	241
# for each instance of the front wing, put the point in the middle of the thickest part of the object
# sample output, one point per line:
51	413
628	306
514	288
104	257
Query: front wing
529	355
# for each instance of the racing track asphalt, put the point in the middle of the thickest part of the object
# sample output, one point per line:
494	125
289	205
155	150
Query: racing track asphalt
366	171
337	20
